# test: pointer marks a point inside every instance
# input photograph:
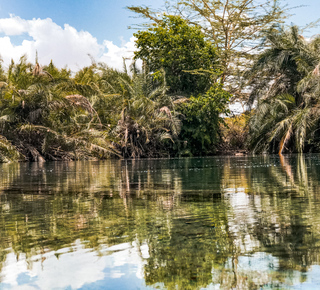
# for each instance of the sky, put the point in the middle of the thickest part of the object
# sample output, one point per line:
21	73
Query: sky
66	31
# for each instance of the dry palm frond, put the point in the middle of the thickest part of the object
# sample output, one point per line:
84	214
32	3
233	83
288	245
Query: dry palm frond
37	70
22	92
104	150
166	110
181	100
316	71
7	118
7	151
3	84
166	135
30	128
48	74
284	139
82	102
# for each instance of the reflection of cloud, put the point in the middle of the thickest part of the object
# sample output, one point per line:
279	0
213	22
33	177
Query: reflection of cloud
64	45
259	261
241	219
123	251
74	269
71	270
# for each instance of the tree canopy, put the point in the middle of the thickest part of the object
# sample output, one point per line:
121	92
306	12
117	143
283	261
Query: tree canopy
285	84
234	27
180	49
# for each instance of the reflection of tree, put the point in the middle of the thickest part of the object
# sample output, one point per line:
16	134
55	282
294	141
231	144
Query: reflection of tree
197	243
280	209
199	217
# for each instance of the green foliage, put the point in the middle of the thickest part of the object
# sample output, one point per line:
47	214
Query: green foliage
235	133
57	74
181	50
7	151
233	26
285	81
200	132
46	114
145	117
44	121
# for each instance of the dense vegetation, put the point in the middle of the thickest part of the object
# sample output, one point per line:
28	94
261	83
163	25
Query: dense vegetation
48	114
285	83
195	61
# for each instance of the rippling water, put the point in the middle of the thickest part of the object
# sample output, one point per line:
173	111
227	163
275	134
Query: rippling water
215	223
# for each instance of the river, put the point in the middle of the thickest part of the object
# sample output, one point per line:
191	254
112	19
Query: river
193	223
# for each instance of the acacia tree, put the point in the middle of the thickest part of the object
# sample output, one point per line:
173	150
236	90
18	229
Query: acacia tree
234	26
181	50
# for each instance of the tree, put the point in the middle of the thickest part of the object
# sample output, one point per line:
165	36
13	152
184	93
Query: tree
285	82
146	117
234	26
200	131
181	50
45	116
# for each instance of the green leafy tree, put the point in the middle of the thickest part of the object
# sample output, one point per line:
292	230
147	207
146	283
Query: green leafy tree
181	50
200	132
233	26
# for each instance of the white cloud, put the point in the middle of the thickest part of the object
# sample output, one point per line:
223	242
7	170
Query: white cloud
113	56
64	45
13	25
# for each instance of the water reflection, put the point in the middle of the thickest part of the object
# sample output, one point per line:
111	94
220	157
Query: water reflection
225	222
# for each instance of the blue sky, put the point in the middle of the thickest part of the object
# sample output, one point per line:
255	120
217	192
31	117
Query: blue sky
55	28
104	19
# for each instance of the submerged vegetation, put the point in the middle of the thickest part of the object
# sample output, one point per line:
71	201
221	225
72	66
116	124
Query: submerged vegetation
196	58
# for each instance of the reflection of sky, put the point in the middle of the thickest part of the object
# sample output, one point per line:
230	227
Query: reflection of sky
241	219
260	267
260	261
312	279
120	267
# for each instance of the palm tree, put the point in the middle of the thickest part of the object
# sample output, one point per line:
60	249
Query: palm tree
146	116
43	114
285	81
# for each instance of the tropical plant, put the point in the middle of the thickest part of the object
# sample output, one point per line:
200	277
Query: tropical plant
146	117
285	86
46	117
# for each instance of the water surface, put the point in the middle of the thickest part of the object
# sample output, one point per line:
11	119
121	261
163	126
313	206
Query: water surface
207	223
